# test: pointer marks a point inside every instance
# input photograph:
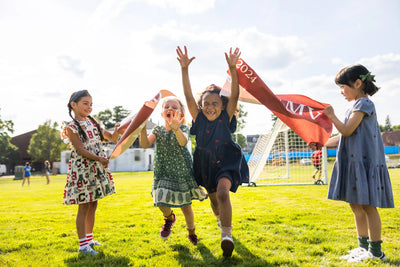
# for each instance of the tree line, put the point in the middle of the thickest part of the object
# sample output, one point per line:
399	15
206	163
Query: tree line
46	143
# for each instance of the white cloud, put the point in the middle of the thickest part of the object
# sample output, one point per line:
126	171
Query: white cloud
124	52
184	7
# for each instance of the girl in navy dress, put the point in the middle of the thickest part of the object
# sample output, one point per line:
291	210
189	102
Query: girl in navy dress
360	176
218	162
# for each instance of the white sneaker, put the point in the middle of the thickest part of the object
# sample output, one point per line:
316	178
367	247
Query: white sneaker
354	252
94	243
367	255
87	249
382	257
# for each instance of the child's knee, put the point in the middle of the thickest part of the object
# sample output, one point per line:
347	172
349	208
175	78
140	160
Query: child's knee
223	195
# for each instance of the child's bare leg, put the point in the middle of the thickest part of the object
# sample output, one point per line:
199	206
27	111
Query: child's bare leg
374	223
81	218
167	211
91	217
360	219
214	204
224	204
189	218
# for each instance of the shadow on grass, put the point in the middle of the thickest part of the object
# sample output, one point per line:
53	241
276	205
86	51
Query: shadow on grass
241	256
100	259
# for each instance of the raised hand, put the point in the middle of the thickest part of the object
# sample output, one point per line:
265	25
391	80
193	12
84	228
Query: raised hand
176	120
183	57
329	112
232	58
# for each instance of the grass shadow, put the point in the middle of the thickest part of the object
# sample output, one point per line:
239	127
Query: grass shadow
244	257
100	259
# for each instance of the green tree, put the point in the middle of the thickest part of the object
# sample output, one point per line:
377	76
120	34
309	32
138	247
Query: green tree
9	153
388	125
120	113
240	117
396	128
110	118
46	144
106	118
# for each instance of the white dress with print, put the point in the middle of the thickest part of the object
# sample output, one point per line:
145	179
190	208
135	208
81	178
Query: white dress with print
87	180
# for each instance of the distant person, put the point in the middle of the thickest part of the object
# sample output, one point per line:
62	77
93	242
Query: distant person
316	160
218	162
47	170
174	185
89	178
26	174
360	176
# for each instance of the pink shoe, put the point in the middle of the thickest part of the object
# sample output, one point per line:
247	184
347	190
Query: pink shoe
193	239
166	228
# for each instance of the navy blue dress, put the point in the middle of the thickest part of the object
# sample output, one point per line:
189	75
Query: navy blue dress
216	155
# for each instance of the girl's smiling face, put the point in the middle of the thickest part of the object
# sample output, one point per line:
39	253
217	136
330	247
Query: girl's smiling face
169	109
82	108
212	106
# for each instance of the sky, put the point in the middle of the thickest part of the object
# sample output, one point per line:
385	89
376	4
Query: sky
124	52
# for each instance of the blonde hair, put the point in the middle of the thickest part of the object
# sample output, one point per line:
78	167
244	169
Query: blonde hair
181	106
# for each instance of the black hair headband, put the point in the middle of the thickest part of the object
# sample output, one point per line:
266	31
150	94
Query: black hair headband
78	94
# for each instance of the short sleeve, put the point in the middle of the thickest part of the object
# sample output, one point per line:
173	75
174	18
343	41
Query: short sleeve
67	125
195	124
365	105
156	131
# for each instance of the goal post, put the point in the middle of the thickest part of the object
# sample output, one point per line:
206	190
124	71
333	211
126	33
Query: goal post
281	157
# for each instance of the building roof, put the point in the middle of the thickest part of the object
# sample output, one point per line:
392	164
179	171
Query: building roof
391	138
22	142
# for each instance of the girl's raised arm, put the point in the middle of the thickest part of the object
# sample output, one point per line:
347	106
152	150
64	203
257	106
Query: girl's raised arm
187	89
146	141
351	125
232	59
113	137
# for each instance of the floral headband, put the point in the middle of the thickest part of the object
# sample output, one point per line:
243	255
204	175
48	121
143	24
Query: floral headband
368	75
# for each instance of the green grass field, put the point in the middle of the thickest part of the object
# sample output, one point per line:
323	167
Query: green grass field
273	226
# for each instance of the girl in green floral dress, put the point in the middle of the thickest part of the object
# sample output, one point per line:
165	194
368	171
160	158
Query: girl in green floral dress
173	181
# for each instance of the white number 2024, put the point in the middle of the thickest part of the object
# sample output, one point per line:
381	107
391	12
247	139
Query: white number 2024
248	73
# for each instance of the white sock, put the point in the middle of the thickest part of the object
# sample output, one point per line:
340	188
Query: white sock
226	231
83	242
89	238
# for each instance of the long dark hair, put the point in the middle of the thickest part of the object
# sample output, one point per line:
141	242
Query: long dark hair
350	74
75	97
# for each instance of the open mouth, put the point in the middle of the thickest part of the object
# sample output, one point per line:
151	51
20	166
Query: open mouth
169	115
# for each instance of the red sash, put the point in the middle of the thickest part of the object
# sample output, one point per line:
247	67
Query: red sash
302	114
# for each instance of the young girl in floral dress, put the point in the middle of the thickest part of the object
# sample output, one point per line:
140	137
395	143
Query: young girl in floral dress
173	183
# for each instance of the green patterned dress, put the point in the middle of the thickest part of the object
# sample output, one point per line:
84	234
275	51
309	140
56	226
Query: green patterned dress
173	181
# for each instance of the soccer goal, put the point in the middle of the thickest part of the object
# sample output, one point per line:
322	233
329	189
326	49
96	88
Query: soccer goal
281	157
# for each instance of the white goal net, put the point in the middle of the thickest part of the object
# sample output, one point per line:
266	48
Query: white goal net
281	157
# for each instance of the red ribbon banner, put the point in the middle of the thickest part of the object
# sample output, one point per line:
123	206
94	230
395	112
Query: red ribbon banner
133	126
302	114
